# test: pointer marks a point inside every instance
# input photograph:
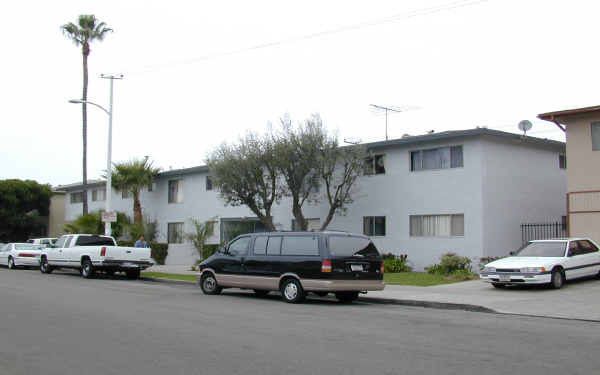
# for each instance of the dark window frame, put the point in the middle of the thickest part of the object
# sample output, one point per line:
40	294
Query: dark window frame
370	226
457	159
372	166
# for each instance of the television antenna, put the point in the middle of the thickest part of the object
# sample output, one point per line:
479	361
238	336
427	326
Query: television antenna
525	126
383	109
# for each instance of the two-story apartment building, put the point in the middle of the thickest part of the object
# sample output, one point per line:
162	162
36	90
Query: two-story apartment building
582	127
456	191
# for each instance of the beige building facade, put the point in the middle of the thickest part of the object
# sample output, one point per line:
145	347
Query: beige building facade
56	216
582	128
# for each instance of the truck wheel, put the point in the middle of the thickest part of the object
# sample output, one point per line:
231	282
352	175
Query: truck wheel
87	270
133	275
45	267
208	284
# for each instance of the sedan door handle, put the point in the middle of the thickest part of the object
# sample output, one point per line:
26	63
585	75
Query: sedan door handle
128	251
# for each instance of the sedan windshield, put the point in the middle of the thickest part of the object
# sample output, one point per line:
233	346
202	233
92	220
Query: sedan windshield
543	249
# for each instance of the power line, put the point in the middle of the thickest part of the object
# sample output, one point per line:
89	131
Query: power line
354	27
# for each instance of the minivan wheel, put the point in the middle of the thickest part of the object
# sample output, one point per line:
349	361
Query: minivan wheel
87	270
558	279
292	291
346	296
208	284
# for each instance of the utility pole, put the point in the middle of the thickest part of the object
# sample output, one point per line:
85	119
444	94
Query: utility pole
386	109
107	228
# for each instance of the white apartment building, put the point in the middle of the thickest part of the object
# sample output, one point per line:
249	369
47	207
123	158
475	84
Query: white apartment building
464	191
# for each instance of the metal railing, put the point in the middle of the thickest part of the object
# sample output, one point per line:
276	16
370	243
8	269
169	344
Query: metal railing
542	231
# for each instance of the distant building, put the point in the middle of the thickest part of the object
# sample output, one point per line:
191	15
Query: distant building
582	127
464	191
56	217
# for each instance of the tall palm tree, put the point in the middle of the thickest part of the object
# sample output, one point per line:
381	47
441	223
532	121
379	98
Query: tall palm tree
87	30
131	177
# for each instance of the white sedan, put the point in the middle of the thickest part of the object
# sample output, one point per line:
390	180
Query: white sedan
545	262
14	255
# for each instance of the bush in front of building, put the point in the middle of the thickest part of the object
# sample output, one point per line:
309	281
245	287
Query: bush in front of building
450	265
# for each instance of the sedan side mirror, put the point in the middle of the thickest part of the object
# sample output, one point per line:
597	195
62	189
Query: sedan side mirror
512	253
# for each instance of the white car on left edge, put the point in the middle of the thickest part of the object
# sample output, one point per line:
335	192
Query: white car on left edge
15	254
545	262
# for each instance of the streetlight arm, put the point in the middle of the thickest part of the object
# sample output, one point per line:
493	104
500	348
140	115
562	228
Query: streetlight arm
79	101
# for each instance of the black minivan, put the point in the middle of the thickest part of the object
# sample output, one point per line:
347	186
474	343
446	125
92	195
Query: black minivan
295	263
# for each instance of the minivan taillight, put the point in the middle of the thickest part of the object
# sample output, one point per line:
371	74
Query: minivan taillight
382	268
103	252
326	265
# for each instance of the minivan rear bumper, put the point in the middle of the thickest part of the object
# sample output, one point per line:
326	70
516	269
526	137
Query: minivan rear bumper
320	285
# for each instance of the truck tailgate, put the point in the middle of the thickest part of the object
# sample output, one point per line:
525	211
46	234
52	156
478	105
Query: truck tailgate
127	253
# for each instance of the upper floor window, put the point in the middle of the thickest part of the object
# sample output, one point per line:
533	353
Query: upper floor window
437	225
562	161
595	136
209	184
98	195
77	197
374	225
375	164
436	158
175	191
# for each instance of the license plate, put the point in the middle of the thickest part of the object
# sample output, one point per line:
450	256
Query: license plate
504	277
356	267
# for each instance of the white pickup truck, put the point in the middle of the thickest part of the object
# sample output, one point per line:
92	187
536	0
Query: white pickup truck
90	253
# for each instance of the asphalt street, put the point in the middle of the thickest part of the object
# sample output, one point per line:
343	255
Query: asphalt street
64	324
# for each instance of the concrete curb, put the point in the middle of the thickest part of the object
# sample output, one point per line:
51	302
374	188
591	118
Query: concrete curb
168	281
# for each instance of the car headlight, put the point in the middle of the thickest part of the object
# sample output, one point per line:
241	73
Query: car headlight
489	269
533	270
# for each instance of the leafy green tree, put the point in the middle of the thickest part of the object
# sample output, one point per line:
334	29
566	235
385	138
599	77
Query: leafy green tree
246	174
22	203
132	176
85	31
92	224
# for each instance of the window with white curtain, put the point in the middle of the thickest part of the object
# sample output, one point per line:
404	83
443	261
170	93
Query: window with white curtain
437	225
175	191
436	158
98	195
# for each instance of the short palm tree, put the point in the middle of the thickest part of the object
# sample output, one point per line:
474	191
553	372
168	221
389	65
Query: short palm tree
132	176
87	30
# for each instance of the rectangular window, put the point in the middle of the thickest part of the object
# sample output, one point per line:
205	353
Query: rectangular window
125	194
374	225
562	161
77	197
175	232
175	191
300	245
209	185
437	225
375	164
274	246
595	136
150	187
98	195
436	158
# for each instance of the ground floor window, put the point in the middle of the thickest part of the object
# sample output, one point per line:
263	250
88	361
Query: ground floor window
231	228
374	225
175	233
437	225
313	225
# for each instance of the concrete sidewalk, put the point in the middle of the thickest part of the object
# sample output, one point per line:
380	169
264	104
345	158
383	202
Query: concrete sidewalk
576	300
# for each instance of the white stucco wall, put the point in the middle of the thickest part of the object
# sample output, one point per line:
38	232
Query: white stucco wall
521	185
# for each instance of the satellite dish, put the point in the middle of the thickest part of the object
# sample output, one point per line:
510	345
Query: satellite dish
525	126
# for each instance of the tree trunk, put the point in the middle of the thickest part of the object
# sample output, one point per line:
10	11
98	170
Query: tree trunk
137	208
329	217
85	51
301	223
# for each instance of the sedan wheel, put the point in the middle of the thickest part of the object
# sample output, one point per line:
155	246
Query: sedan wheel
558	279
11	263
44	266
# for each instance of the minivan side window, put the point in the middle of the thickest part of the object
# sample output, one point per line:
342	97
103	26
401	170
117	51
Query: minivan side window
273	246
239	247
300	245
260	245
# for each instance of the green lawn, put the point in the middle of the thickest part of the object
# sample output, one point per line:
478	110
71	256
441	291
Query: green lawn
417	279
172	276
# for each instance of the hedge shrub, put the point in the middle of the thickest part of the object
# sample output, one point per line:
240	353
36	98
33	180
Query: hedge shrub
159	250
451	264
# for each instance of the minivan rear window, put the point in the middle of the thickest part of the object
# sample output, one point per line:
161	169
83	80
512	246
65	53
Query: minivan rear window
94	241
352	246
300	245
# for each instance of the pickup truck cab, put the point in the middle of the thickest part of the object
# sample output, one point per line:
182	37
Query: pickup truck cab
90	253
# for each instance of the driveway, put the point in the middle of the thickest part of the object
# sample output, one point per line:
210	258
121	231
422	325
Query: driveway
579	299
